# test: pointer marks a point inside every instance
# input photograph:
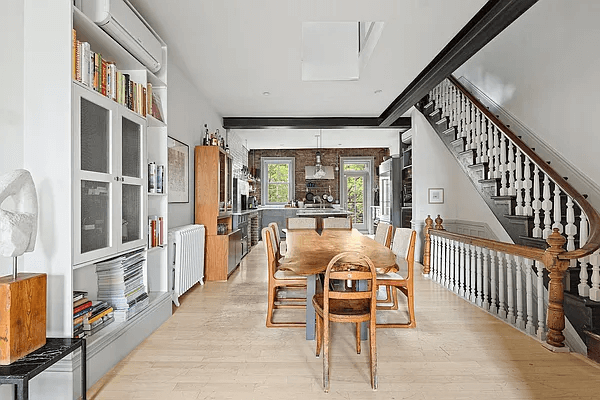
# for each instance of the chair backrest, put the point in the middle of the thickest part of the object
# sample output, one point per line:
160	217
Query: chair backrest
337	223
302	223
275	228
350	266
404	247
383	234
269	239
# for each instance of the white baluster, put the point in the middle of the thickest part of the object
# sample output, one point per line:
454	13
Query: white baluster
454	106
493	283
557	210
473	274
432	255
490	152
547	207
541	331
503	167
486	278
528	265
477	136
583	288
440	255
457	278
463	115
451	280
511	169
445	262
526	184
479	298
473	124
520	207
595	289
484	140
496	136
501	286
519	278
537	203
510	290
462	276
467	133
467	271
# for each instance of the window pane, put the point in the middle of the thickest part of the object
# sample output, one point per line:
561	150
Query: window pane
278	173
355	167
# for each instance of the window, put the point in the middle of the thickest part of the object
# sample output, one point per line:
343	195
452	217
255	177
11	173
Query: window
277	180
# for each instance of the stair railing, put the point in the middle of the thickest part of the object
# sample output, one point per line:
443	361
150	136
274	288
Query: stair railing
537	189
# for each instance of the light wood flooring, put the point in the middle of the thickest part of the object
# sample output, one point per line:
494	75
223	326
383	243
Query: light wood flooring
216	346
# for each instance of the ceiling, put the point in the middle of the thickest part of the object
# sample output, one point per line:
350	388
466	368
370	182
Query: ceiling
235	50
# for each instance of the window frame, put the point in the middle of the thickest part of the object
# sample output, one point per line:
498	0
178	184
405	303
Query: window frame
264	167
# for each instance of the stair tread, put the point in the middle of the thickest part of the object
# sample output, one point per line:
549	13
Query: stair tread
490	180
504	197
452	129
478	165
513	216
428	104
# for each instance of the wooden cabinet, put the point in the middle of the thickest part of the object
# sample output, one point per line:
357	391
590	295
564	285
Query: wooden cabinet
213	203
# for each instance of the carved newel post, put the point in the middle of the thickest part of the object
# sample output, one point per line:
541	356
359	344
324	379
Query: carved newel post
557	268
427	250
438	223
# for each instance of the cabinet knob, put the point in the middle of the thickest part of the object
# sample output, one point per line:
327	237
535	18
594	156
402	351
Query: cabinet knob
116	178
122	179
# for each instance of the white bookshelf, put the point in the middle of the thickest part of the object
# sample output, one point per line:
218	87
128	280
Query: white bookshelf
49	97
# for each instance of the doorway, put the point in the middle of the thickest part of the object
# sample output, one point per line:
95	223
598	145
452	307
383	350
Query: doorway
356	194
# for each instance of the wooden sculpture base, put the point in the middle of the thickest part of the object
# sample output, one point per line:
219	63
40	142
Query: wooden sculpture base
22	315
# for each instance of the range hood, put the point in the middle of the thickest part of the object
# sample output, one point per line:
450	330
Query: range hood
310	172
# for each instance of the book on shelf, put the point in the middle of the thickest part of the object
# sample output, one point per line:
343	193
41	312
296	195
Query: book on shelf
98	327
156	109
160	178
103	76
156	231
78	295
152	179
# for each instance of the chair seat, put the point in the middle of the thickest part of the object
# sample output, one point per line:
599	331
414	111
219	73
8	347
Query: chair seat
283	274
393	276
343	307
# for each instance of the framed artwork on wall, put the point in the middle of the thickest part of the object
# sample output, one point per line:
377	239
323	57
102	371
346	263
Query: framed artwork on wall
178	155
435	196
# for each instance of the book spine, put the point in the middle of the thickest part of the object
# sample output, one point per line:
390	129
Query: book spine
149	98
103	81
152	177
82	307
74	53
160	176
85	63
113	81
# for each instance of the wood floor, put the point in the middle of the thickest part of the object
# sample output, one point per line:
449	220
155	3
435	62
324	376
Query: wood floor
216	346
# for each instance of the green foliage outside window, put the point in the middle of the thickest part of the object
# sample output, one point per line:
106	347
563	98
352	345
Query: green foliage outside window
278	183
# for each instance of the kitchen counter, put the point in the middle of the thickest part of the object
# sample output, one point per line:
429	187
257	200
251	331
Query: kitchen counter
246	212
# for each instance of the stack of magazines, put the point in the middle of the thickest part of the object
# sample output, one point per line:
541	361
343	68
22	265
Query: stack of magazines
121	284
101	316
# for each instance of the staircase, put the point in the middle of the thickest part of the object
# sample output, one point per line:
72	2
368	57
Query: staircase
525	194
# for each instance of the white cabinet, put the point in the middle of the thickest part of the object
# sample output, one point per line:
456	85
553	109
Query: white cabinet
109	177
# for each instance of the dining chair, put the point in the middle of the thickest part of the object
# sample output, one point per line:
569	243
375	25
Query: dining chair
383	235
347	306
279	280
404	248
302	223
337	223
275	228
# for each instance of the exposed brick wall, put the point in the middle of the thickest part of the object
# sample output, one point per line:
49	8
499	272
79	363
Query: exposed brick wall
306	157
238	152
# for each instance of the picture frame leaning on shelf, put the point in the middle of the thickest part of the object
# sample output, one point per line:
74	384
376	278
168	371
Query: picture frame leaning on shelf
178	167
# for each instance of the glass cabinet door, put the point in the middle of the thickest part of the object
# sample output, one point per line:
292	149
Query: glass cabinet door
132	179
93	172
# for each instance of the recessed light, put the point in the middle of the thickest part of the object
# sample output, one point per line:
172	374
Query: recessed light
378	91
339	144
266	93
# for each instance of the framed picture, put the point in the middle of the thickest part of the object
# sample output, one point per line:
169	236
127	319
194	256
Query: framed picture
435	196
179	155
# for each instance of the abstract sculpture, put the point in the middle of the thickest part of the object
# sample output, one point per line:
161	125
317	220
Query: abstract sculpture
18	228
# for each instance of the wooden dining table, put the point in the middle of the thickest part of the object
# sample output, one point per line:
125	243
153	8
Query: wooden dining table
309	252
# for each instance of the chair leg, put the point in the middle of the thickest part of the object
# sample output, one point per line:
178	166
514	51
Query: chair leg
394	297
358	338
373	354
319	335
271	305
411	307
326	355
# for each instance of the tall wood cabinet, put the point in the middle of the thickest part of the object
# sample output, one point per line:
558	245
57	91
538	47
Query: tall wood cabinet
88	156
213	209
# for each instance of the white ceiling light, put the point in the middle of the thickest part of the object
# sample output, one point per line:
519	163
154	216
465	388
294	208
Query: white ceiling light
266	93
319	172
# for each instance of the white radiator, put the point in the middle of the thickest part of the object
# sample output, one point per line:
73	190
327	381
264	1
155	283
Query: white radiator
186	256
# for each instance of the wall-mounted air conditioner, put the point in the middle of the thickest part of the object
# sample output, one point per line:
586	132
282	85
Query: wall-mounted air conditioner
118	20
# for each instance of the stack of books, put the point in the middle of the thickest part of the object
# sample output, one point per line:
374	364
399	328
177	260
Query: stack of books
121	284
82	307
100	317
156	231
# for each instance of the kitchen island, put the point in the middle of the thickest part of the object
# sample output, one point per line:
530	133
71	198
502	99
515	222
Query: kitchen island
281	214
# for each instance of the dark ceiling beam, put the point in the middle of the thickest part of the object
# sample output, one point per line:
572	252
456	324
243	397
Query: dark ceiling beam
492	19
402	123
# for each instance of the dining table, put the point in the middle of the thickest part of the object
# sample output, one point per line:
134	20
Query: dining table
309	252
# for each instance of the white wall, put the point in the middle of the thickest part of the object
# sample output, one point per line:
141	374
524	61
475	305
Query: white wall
188	111
11	101
544	70
435	167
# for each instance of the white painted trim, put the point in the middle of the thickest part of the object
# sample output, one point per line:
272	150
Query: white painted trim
264	177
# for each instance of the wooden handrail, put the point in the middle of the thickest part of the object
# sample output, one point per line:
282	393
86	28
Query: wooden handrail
593	241
516	249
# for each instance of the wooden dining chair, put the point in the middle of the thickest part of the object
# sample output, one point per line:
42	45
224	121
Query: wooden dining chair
302	223
275	228
337	223
280	280
347	306
383	235
404	248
